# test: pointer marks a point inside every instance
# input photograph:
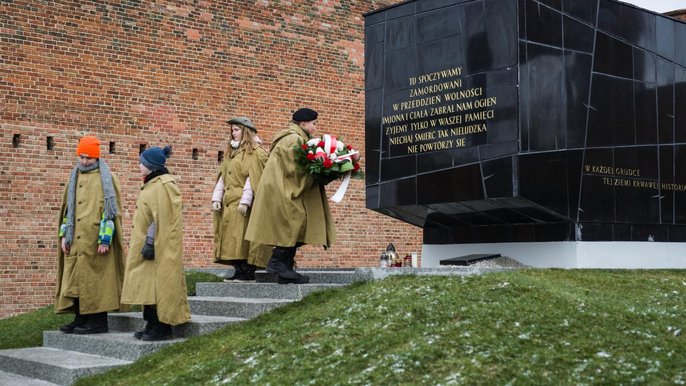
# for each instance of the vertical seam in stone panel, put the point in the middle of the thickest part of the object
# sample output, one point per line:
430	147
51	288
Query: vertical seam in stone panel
588	111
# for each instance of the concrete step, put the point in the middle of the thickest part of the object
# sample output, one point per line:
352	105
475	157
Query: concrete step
9	379
260	290
199	324
114	344
53	365
235	307
316	276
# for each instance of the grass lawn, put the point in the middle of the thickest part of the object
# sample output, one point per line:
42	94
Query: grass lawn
26	330
527	327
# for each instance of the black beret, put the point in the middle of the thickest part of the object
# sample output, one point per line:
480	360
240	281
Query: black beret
304	115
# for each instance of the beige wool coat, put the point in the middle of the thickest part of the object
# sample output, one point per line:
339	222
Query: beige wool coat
84	273
229	225
160	281
289	207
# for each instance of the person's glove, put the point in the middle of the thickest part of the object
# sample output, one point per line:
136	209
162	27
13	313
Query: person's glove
148	250
242	209
216	206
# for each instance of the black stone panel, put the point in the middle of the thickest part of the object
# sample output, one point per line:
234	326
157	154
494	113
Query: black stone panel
679	190
401	10
521	14
679	46
523	96
372	19
438	24
438	160
575	98
611	117
372	196
497	150
666	154
637	163
665	44
556	4
644	66
585	10
543	25
430	5
440	54
489	34
452	185
398	67
545	104
665	101
498	177
503	129
628	23
613	57
645	113
578	36
540	174
374	54
680	105
398	193
501	32
398	167
466	156
400	33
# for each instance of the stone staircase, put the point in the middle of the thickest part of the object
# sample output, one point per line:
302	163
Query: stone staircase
64	358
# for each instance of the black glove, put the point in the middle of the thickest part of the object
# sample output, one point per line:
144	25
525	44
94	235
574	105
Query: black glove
148	250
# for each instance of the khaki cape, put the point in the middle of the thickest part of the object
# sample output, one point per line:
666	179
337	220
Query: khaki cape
289	207
84	273
160	281
229	225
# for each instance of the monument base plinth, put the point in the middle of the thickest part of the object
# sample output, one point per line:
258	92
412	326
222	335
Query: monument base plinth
569	254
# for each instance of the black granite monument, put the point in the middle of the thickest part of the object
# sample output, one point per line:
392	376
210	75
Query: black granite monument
521	120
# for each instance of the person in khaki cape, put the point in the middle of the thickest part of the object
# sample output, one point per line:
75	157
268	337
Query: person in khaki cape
290	209
90	260
238	175
154	265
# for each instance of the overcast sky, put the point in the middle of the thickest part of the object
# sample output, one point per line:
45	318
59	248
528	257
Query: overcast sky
661	6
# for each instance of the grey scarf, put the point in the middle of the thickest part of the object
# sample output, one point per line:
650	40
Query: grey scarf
110	207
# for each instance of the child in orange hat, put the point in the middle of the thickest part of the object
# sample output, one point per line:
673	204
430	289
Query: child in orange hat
90	261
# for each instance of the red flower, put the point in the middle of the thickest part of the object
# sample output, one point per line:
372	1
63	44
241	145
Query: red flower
350	147
356	167
333	149
328	163
321	144
304	146
310	156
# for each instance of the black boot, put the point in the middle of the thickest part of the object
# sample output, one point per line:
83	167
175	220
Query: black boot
79	320
291	263
247	273
95	324
280	265
159	330
149	315
238	268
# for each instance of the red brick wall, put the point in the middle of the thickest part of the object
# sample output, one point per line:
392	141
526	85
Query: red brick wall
678	14
169	72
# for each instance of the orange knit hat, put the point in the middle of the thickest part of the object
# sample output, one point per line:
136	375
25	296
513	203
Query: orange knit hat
89	146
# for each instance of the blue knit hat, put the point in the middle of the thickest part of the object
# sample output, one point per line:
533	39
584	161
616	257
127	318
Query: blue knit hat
155	157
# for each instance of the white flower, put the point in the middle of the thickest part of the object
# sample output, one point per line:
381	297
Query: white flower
313	141
340	146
